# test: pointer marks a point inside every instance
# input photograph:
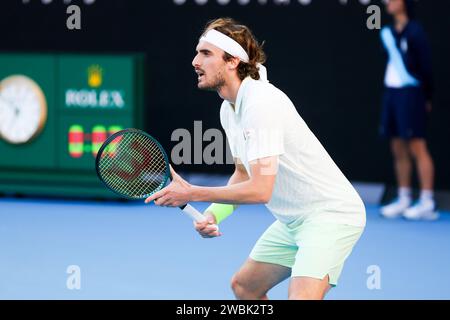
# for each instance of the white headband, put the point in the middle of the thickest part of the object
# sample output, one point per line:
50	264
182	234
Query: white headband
231	47
225	43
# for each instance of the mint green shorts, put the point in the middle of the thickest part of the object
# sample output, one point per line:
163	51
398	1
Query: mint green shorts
310	248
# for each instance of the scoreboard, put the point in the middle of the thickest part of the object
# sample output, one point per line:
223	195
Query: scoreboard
56	111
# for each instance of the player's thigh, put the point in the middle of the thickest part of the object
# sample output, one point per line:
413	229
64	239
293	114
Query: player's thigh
306	288
270	260
260	277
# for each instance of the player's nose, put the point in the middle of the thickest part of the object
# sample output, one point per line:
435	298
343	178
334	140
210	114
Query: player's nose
196	62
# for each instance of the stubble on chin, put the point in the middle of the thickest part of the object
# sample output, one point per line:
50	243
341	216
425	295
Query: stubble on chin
216	85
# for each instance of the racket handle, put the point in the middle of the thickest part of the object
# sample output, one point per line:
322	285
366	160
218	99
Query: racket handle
194	214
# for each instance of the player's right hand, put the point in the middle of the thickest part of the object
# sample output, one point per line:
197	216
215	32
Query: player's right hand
208	228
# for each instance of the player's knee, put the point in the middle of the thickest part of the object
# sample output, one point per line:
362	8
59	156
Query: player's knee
240	289
236	284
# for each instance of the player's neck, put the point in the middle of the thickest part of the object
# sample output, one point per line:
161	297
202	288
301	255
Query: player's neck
230	90
401	20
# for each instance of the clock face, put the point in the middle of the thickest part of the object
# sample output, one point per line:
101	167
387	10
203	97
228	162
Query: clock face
23	109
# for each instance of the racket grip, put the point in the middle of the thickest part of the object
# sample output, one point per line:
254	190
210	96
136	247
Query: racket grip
194	214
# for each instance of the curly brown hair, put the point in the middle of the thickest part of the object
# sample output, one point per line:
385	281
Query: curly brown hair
242	35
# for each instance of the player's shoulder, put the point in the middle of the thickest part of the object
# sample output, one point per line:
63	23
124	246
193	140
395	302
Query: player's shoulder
263	98
259	91
258	85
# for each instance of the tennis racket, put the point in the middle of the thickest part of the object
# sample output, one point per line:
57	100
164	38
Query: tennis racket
134	165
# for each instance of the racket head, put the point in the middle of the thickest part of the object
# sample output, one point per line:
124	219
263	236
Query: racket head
132	164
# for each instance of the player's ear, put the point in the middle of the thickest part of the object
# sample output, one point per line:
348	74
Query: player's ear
233	63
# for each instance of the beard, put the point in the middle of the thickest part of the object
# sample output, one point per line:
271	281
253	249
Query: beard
214	85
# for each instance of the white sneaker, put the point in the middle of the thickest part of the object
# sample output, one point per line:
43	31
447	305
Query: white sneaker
422	210
396	208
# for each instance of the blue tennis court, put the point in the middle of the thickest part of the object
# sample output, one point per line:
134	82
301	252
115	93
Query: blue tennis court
128	250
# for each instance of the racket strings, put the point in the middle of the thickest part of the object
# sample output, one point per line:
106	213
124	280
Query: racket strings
136	167
157	173
138	184
143	182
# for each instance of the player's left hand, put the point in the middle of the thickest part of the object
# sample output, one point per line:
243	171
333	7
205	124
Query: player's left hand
176	194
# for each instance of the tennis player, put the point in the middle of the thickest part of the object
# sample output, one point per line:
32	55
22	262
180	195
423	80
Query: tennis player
279	162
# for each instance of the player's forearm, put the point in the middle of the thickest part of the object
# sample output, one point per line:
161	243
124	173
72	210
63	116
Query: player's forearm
238	193
237	177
